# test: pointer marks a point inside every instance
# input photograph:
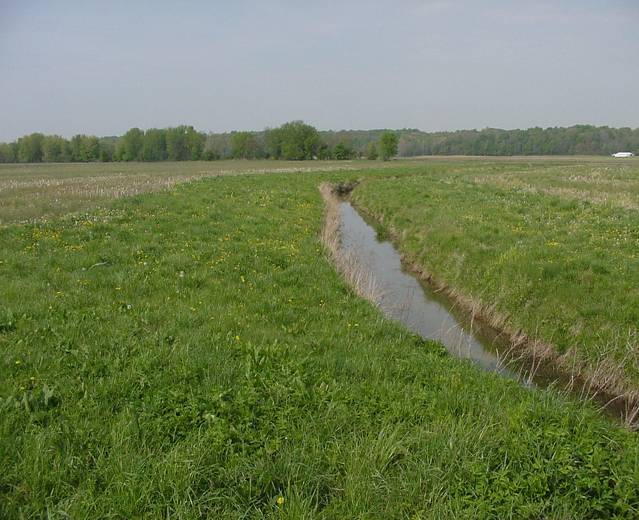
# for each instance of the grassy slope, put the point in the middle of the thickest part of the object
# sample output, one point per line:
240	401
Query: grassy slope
193	352
565	269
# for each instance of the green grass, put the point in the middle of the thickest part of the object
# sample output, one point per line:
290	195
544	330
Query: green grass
555	250
599	183
192	353
41	191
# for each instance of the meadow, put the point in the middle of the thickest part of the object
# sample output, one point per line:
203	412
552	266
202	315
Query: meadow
41	191
193	353
31	192
549	253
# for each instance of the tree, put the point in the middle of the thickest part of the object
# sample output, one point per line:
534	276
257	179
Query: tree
184	143
273	142
30	148
324	152
388	145
7	152
176	147
77	152
107	148
343	151
130	145
210	155
294	141
84	148
371	151
195	143
55	149
244	145
154	145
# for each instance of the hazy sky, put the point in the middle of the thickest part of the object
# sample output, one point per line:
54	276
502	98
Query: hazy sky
101	67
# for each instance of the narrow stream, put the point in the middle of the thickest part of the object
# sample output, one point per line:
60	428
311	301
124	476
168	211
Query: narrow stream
402	297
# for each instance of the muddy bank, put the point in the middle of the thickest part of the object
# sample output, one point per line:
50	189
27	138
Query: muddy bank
406	292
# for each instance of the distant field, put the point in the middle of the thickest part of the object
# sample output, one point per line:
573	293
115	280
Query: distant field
193	353
29	191
36	191
604	183
552	251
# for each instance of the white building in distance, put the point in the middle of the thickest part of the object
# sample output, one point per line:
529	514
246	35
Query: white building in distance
623	155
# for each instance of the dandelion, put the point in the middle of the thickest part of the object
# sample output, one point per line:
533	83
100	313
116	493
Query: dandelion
280	500
237	338
18	362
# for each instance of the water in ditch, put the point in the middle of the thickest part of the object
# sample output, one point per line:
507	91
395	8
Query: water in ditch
402	297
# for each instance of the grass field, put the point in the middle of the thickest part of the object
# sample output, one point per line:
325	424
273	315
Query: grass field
550	251
192	353
40	191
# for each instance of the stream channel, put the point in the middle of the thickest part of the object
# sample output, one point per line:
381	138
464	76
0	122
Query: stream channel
402	297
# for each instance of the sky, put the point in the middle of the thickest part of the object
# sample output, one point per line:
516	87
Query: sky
101	67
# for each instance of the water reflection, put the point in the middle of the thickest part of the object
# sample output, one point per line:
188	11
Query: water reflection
402	297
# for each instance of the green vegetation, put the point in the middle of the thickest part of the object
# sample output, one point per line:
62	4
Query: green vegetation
574	140
182	143
388	146
305	142
294	141
343	151
245	145
371	151
551	250
41	191
193	353
131	145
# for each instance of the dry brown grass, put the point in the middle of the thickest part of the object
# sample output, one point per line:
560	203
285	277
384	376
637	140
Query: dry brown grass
616	185
361	280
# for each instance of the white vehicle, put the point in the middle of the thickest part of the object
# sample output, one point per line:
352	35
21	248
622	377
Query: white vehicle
623	155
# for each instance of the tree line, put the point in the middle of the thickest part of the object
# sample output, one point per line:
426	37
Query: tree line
574	140
297	140
177	144
294	140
